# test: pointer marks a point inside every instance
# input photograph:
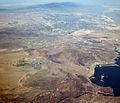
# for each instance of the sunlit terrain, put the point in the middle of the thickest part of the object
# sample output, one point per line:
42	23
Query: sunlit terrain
60	53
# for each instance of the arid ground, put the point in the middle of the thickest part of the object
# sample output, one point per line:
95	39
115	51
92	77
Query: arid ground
48	54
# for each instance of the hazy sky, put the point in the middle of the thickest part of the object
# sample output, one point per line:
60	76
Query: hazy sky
7	3
37	1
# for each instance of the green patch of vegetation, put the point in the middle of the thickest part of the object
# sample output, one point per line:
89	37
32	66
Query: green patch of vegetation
36	64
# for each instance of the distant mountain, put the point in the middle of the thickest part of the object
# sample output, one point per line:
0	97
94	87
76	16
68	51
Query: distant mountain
67	7
60	5
63	6
3	9
57	6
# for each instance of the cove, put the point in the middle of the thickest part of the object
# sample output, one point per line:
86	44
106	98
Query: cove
108	76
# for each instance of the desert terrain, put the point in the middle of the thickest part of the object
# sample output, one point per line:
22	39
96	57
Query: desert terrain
52	53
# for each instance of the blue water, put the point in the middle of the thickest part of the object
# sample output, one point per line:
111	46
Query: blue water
110	74
111	78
